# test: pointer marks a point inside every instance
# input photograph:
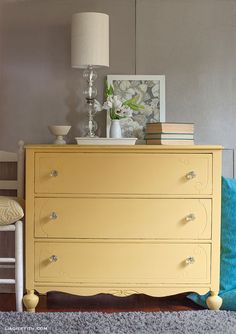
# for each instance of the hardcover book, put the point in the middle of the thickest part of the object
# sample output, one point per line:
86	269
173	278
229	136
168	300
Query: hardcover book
169	127
169	142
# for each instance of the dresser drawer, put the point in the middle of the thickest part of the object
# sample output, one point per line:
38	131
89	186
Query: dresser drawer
101	173
121	263
123	218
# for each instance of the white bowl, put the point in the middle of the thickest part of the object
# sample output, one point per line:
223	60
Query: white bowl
59	130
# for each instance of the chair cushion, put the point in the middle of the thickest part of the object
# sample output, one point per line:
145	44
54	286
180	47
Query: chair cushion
10	210
228	249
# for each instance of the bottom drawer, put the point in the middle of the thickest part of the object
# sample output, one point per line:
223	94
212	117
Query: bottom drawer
121	262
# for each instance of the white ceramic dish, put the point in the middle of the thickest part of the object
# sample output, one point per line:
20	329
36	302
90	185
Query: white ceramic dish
59	131
105	141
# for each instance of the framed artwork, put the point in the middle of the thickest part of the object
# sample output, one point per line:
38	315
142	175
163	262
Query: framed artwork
150	93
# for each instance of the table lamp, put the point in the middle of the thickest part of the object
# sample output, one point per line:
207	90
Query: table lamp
90	50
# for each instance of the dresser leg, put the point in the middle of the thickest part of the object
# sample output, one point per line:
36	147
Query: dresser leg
214	302
30	301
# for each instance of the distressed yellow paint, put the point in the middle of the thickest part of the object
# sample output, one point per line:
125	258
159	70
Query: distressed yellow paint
117	219
101	222
101	173
122	262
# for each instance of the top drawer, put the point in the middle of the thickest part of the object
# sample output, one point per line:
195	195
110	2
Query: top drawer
123	173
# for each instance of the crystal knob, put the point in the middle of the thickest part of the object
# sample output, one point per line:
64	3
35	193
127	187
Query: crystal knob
191	175
53	258
53	215
190	260
54	173
190	217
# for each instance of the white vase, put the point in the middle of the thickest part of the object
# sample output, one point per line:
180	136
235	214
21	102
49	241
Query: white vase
115	129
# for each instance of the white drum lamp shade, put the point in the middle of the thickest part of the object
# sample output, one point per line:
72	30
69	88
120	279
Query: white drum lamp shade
90	40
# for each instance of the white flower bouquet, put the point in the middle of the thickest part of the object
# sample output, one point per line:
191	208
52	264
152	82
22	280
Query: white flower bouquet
118	107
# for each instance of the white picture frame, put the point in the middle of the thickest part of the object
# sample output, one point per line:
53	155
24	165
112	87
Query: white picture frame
151	89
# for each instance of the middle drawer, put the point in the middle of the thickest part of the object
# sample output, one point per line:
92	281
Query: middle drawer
123	218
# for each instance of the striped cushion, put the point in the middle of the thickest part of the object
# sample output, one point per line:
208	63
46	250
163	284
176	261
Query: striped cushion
10	210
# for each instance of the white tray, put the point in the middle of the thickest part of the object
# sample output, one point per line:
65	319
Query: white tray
105	141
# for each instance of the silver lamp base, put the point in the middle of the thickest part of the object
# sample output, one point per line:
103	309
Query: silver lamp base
90	94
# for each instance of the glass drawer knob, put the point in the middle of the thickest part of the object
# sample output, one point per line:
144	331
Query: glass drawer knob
54	173
53	215
190	260
53	258
191	175
190	217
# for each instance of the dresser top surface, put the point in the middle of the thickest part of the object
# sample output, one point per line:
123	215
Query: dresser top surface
120	148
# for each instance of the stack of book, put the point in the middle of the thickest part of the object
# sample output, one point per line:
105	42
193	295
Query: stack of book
169	133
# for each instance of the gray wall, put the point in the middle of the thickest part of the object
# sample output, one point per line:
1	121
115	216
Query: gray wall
192	42
38	85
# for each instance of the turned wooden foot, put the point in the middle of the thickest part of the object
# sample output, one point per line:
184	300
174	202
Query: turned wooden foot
30	301
214	302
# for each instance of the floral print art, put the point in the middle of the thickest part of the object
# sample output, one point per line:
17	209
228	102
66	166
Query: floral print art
148	95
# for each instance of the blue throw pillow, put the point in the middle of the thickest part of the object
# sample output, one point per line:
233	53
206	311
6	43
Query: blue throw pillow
228	249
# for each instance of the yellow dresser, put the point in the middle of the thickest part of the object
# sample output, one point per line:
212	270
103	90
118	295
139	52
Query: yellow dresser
123	220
